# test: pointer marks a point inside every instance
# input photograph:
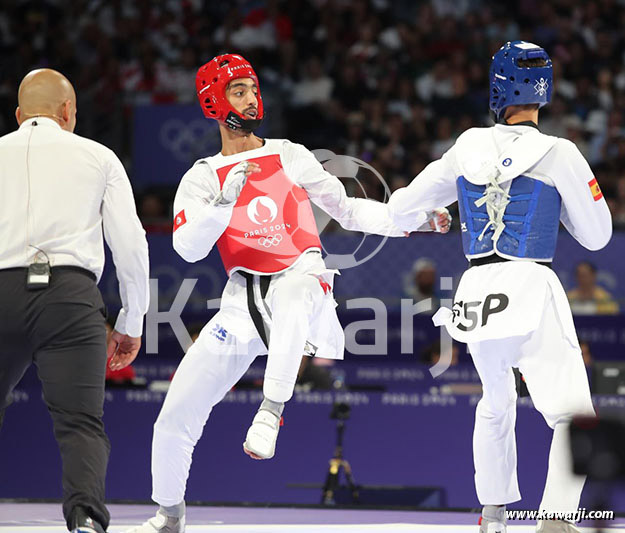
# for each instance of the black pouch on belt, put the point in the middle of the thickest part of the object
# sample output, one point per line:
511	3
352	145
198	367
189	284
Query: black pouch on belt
38	276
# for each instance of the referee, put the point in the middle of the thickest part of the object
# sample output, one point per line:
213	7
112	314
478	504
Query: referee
58	193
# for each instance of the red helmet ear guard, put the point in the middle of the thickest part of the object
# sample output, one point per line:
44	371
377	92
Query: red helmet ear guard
211	82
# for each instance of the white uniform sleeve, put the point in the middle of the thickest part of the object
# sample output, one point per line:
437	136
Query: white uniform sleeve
327	191
434	187
586	219
200	224
126	238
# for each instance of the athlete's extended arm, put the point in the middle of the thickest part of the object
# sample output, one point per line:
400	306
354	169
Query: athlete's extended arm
327	191
435	186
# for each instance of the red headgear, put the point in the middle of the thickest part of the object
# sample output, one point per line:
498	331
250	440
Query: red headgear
211	82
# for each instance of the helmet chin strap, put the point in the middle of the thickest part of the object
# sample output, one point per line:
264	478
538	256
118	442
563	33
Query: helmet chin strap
235	122
497	119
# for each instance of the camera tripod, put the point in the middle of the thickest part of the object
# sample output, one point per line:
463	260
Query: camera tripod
338	463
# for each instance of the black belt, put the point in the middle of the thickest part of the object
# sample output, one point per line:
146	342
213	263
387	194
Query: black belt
489	259
257	318
61	268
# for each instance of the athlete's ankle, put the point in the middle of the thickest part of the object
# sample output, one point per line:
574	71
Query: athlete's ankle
275	408
175	511
494	512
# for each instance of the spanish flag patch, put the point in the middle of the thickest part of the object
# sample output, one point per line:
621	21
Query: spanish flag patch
595	190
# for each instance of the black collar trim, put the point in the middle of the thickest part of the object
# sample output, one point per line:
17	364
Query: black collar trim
524	123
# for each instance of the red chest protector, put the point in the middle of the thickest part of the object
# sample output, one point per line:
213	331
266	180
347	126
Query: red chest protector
272	222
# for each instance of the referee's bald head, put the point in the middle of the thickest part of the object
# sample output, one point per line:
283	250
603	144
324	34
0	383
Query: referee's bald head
47	93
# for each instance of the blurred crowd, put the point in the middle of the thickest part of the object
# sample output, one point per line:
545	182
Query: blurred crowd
586	296
390	82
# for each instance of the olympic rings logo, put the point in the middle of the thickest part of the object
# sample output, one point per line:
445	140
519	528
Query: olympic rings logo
270	240
186	140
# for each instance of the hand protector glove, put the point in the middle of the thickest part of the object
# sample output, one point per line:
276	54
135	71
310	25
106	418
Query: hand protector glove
233	184
435	216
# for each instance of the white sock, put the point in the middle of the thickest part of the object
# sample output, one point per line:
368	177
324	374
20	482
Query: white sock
175	511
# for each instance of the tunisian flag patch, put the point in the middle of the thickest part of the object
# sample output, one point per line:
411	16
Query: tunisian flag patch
179	220
595	190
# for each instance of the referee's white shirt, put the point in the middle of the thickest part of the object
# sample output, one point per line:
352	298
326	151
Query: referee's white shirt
57	192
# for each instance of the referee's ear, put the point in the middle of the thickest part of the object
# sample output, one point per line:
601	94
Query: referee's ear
18	115
68	114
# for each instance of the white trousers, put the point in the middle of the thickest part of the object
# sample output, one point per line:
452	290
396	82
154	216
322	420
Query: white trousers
214	364
556	379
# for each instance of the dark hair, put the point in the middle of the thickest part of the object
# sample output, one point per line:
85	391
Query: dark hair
430	352
531	63
590	265
195	329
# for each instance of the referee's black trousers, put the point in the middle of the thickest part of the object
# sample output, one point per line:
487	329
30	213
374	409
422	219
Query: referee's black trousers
61	329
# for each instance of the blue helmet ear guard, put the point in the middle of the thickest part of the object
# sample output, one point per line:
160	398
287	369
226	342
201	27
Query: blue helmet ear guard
514	82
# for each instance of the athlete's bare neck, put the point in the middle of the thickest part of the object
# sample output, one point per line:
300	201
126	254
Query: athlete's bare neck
523	115
235	142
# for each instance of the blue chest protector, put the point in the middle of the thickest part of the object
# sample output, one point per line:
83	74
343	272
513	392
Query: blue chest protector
531	220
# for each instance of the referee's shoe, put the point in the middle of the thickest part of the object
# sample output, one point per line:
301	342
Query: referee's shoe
83	523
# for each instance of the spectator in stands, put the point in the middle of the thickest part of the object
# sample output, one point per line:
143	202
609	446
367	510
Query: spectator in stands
145	80
431	354
312	376
586	353
195	330
619	210
153	214
445	138
179	77
421	282
377	59
588	298
315	87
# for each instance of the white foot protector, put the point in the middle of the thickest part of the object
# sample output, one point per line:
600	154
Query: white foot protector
263	434
493	519
555	526
161	523
489	526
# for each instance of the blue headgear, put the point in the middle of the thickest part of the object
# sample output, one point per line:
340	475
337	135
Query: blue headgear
511	84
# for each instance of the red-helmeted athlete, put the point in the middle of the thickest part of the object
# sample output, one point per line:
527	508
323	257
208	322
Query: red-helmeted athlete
253	200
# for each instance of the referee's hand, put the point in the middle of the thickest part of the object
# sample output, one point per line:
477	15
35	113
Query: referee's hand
122	350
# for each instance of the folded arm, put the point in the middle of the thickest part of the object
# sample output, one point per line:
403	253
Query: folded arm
198	223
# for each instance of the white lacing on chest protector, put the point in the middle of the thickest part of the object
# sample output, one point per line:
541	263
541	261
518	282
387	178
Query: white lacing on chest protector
496	199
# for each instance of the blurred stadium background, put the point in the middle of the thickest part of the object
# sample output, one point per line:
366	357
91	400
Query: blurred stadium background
392	83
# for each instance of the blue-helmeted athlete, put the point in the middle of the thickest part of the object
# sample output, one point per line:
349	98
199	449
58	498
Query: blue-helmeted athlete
514	185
